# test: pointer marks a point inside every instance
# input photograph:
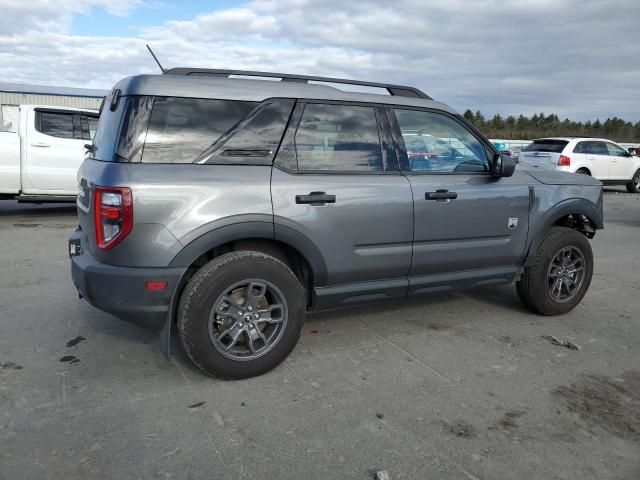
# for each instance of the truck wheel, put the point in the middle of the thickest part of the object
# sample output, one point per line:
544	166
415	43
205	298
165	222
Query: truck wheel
241	315
560	274
634	185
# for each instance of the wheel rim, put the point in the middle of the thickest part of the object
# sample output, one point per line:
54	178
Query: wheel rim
247	320
637	182
566	274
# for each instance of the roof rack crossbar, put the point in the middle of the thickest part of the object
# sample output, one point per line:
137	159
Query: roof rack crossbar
397	90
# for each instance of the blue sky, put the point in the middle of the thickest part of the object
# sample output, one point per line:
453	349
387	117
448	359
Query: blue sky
573	58
99	21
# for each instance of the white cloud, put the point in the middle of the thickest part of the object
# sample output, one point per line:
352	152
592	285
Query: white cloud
577	59
20	16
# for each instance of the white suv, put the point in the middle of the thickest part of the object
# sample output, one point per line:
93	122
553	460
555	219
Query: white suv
600	158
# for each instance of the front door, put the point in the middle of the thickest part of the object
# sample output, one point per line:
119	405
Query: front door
468	225
337	184
621	163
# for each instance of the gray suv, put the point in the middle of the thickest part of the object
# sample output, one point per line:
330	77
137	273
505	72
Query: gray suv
229	207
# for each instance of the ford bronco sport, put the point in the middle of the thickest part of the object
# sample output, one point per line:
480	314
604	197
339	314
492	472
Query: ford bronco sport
232	206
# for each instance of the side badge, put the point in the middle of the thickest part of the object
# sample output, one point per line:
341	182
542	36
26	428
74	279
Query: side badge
512	223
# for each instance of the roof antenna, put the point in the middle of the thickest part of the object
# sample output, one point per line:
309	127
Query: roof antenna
155	58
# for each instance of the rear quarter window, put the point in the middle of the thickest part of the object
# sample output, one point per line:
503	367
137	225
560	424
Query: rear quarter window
180	129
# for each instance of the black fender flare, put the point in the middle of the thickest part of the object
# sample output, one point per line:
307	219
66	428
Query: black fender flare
578	206
241	230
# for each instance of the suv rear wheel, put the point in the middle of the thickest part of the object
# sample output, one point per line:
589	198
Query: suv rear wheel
634	185
560	274
241	315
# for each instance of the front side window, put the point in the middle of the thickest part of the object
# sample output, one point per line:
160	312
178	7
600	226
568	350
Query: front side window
338	138
436	143
615	150
180	129
55	124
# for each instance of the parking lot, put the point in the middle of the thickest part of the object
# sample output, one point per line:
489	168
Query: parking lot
453	386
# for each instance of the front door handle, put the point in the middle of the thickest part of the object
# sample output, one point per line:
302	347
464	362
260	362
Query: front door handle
316	199
41	144
440	195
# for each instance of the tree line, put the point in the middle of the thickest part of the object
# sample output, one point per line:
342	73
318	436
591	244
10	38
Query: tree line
541	125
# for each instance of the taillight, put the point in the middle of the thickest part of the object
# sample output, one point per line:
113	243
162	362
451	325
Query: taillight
113	211
564	161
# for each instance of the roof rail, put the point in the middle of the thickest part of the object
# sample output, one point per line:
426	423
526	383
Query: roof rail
397	90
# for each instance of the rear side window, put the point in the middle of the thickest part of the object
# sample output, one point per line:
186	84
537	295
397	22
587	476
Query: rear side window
55	124
180	129
338	138
546	145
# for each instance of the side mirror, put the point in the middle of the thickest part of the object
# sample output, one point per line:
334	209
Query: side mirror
502	166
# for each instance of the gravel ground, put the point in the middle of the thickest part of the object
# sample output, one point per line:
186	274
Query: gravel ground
454	386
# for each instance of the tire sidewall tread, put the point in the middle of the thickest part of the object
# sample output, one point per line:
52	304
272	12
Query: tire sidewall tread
206	286
631	186
532	287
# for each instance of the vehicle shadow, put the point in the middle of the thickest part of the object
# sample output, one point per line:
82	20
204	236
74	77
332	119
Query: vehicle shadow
13	208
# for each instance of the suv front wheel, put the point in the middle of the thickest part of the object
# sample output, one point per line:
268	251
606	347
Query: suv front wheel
560	273
241	315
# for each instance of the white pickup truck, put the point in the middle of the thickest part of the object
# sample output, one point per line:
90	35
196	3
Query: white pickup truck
40	156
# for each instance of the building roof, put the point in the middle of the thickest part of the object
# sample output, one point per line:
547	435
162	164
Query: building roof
255	90
48	90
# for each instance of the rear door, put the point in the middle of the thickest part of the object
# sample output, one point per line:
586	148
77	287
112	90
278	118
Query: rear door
467	223
54	151
598	159
621	162
336	182
542	154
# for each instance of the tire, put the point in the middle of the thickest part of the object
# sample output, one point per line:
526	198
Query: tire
534	286
583	171
201	328
634	185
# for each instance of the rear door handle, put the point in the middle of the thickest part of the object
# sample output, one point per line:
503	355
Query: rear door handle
43	145
316	199
440	195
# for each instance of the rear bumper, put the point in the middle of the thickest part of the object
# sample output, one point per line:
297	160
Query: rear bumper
121	291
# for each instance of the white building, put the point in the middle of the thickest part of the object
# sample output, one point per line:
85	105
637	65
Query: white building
14	94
